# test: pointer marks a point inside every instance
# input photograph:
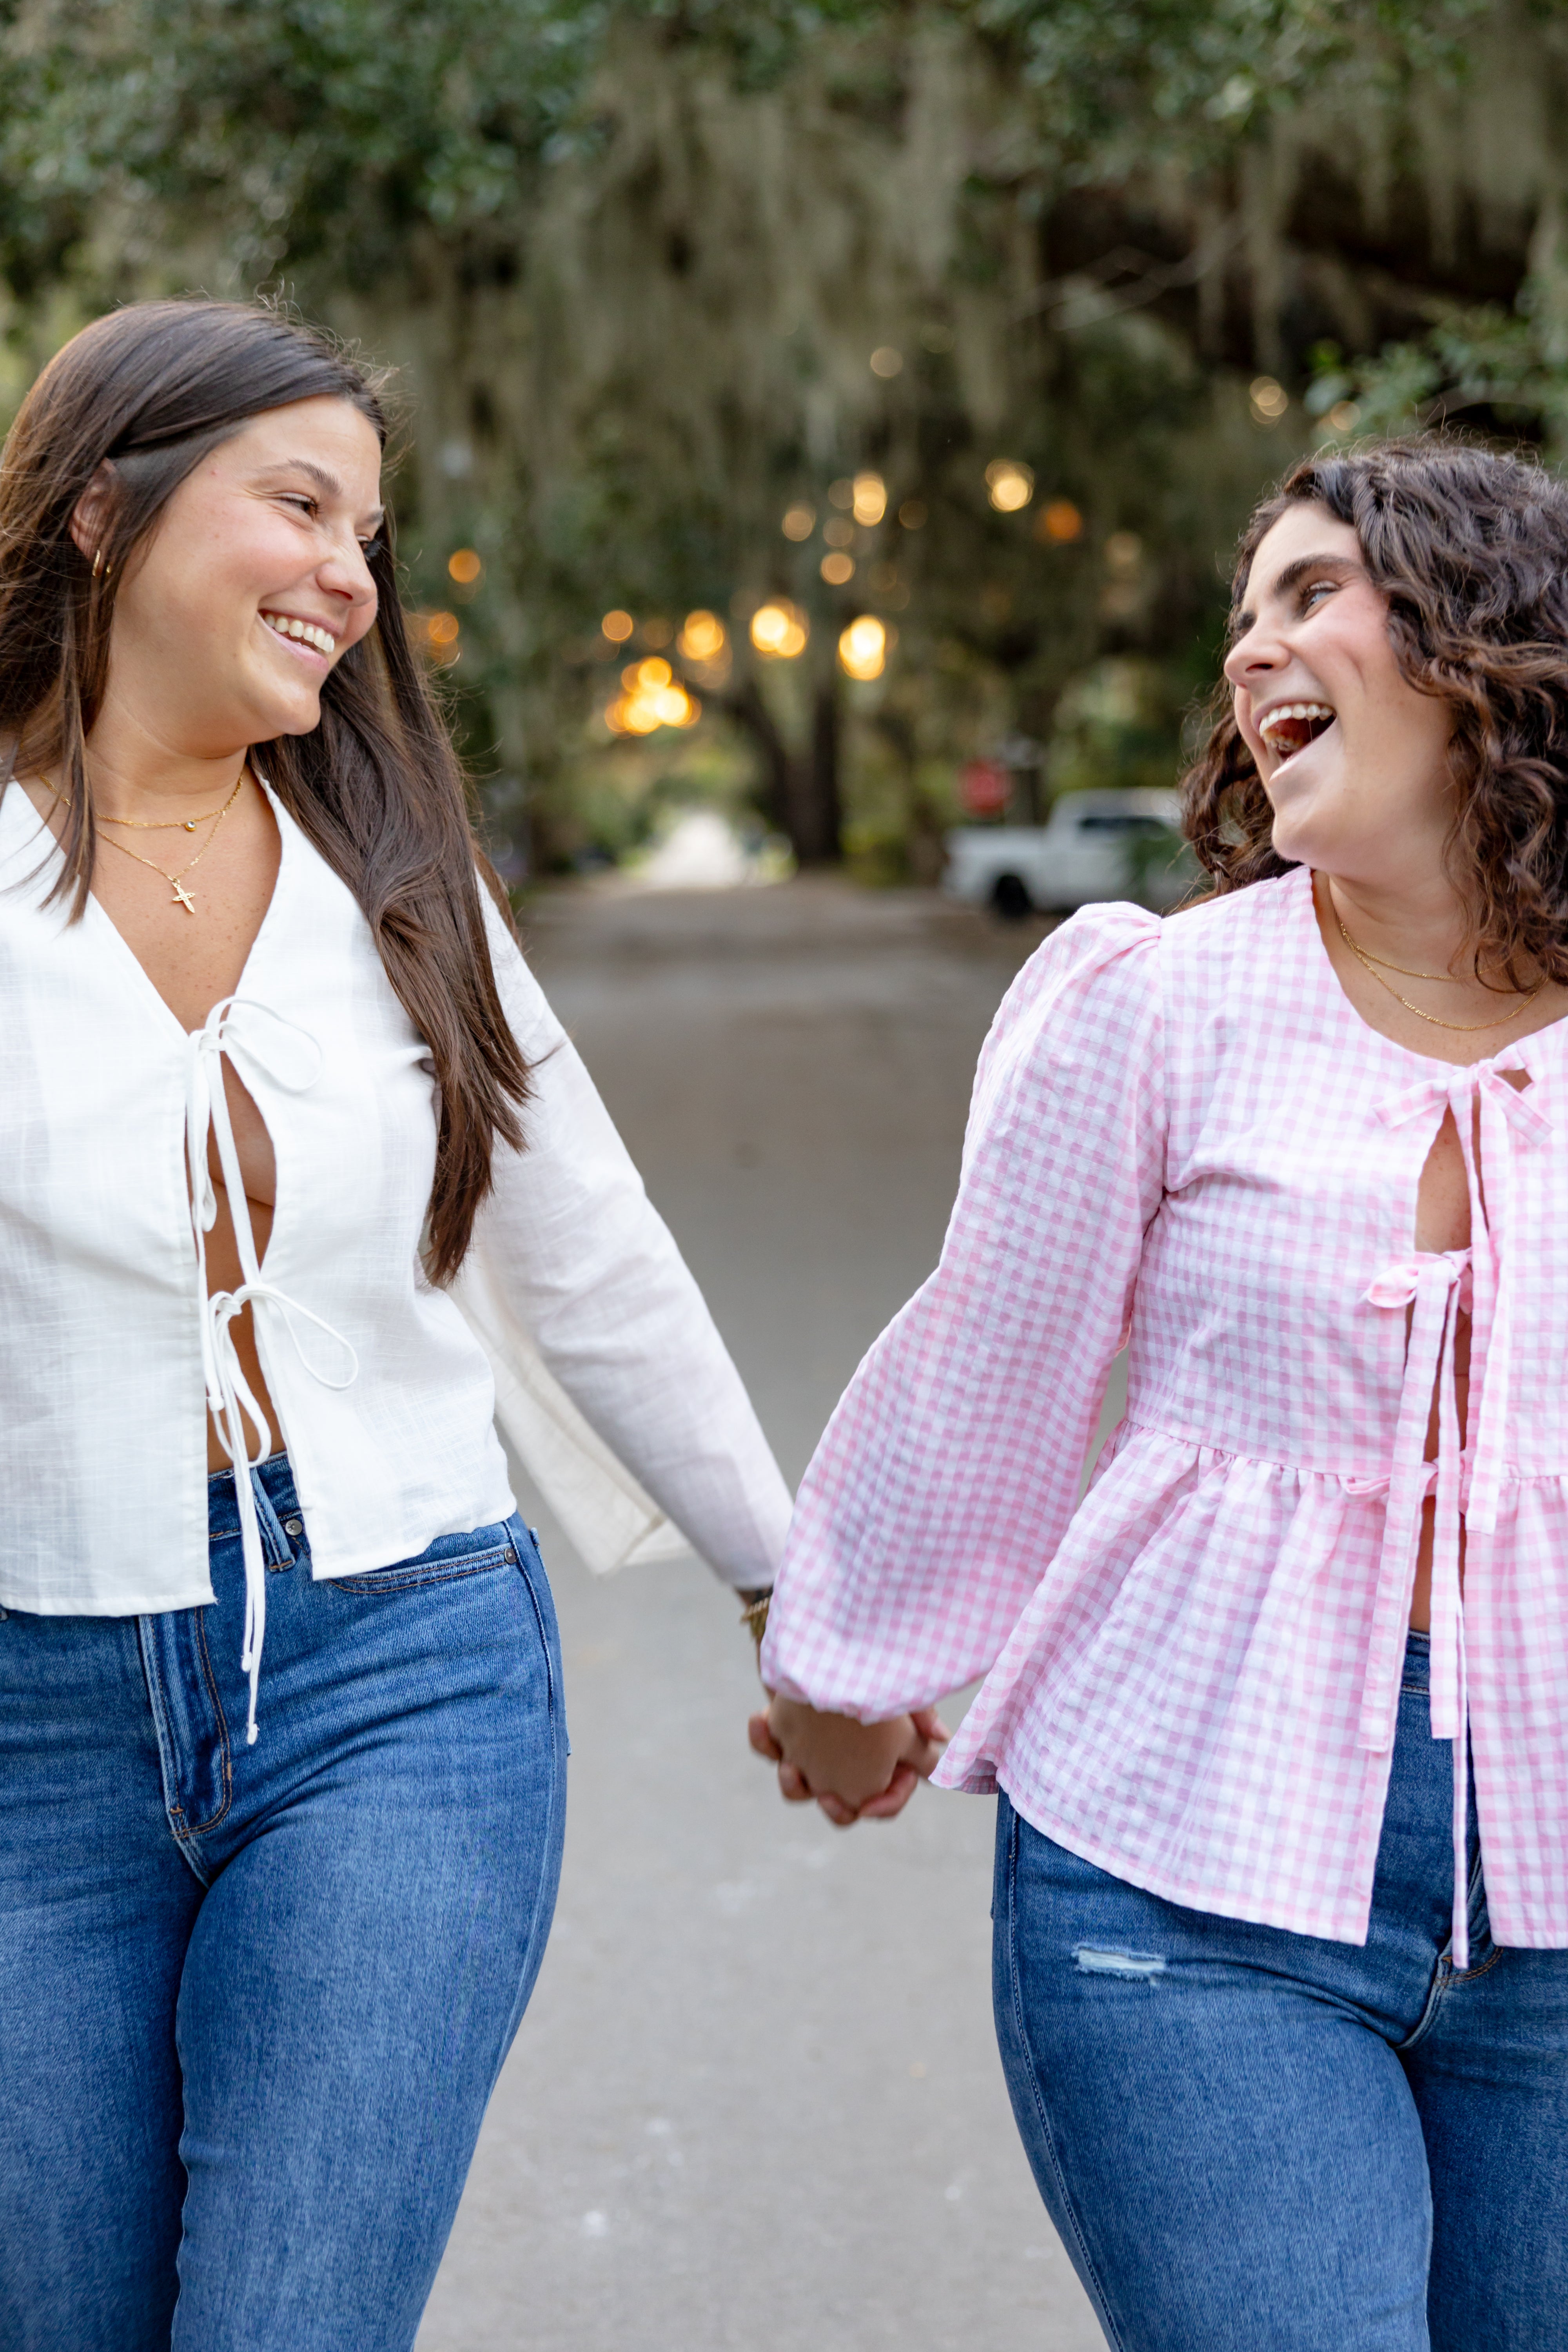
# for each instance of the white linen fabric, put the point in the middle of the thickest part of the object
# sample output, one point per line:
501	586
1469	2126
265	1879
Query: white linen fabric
615	1384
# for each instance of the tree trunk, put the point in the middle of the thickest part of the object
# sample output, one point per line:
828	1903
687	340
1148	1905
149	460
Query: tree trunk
816	833
799	793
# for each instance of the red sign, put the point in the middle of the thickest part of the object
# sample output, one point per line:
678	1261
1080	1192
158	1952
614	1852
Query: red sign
984	787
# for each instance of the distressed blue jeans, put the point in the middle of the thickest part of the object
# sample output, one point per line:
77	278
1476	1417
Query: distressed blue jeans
253	2000
1252	2141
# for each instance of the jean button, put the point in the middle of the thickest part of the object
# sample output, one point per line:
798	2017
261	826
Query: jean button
293	1527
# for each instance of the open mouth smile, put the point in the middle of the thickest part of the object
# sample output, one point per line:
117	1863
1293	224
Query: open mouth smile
1292	726
303	632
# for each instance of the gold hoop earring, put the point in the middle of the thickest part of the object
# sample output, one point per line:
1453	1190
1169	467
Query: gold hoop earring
98	563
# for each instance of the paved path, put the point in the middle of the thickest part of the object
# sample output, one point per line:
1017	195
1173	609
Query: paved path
756	2102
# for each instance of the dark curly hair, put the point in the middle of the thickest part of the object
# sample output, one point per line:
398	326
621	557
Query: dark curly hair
1470	548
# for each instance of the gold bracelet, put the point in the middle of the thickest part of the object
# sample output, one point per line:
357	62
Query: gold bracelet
754	1613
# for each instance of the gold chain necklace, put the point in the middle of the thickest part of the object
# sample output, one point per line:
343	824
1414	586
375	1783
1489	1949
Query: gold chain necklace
1464	1028
164	824
182	897
1447	978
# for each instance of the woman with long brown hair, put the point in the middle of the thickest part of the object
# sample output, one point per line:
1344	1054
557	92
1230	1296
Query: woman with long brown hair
297	1170
1277	1711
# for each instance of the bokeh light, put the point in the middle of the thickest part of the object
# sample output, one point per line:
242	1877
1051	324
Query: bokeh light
658	633
837	568
464	566
1009	484
437	633
1268	400
863	647
1060	522
617	626
799	522
703	639
912	514
780	630
870	493
1344	416
842	494
1123	554
652	699
886	361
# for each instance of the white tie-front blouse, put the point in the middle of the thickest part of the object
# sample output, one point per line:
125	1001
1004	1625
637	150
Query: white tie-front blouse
1184	1137
574	1315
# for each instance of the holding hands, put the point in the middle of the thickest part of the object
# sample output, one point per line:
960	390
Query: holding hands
855	1771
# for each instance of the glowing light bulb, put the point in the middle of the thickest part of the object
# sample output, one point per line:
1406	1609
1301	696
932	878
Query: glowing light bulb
870	493
1060	522
1009	484
702	639
779	630
863	647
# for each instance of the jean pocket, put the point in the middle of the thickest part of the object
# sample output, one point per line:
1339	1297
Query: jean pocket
446	1559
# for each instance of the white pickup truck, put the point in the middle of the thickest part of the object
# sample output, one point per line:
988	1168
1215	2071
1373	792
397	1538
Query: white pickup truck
1108	844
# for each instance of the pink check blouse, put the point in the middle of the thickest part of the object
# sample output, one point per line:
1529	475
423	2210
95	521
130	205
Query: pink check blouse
1185	1139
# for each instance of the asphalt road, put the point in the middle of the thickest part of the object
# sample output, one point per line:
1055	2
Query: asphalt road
756	2101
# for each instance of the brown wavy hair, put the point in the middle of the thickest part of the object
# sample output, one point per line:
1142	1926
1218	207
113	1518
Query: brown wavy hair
1470	548
376	787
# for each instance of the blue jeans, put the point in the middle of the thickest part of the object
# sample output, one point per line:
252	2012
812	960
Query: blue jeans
1252	2141
253	2000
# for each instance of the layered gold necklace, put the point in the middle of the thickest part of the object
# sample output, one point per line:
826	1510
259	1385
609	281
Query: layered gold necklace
214	818
1464	1028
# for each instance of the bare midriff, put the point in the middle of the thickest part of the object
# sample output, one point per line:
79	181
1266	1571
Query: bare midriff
259	1167
1442	1222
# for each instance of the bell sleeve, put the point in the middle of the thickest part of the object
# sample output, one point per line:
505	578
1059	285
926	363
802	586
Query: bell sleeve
950	1470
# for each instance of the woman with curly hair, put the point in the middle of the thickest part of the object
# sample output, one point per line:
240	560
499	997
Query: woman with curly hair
1278	1713
300	1178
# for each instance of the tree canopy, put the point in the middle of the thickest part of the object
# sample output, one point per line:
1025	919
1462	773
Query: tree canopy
663	275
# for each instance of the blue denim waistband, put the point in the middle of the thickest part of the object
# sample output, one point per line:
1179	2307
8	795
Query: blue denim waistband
1417	1675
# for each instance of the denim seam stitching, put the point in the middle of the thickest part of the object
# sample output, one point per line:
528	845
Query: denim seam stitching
438	1574
516	1551
1469	1976
197	1829
172	1814
1070	2202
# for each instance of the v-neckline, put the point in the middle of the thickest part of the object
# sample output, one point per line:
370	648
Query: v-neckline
1316	949
98	916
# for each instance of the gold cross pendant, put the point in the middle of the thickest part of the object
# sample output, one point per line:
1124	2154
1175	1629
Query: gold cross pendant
183	896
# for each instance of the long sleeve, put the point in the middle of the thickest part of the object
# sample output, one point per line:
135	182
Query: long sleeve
611	1376
949	1472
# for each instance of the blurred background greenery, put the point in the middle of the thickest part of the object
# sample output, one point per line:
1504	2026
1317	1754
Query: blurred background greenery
837	414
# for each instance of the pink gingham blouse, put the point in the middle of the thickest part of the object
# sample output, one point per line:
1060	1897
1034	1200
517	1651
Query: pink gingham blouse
1185	1139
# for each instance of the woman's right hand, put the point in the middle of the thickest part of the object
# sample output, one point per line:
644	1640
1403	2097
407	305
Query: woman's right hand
855	1771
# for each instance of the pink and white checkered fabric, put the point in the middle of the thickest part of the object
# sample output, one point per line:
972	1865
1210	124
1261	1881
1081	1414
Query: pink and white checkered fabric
1183	1137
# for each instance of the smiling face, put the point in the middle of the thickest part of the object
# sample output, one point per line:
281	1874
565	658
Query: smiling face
1351	755
252	585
